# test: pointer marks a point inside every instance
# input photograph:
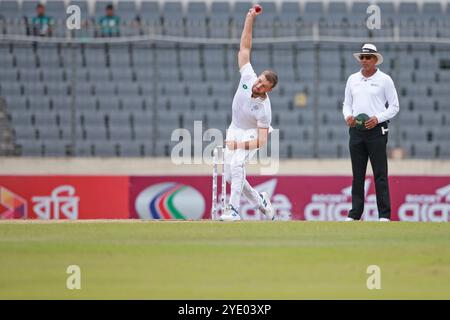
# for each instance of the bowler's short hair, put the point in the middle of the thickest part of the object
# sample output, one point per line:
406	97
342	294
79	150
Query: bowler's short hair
272	77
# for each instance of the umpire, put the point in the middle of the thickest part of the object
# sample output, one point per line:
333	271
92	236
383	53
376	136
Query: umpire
370	96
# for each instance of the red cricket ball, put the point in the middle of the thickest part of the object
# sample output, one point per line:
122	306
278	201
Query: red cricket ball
258	8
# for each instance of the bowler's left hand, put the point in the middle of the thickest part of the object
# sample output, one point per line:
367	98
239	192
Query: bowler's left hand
371	123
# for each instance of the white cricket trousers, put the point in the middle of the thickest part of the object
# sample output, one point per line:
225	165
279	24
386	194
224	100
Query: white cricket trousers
235	161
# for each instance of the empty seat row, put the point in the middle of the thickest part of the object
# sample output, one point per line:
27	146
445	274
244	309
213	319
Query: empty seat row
198	9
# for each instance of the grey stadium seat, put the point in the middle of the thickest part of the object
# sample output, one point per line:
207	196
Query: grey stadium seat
444	150
95	133
127	89
144	133
105	89
9	75
94	119
142	119
16	103
9	9
127	10
53	75
25	132
34	88
290	10
30	148
122	74
105	149
55	9
44	118
302	149
120	133
314	11
100	75
425	150
327	149
219	19
130	149
10	89
84	148
55	149
49	133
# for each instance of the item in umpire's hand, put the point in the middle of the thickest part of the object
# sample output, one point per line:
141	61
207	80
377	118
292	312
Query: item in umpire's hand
360	121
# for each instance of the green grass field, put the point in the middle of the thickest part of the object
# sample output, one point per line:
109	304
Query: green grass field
213	260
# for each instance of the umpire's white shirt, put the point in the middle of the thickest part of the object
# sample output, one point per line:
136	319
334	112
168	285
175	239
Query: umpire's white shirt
369	96
248	112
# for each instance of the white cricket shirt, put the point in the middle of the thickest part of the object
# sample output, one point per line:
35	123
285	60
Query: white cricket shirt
369	96
248	112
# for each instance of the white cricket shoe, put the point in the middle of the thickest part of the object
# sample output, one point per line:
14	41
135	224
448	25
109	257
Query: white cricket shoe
384	220
349	219
230	214
267	208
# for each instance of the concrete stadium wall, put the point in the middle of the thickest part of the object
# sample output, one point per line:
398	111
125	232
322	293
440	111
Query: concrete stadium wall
164	166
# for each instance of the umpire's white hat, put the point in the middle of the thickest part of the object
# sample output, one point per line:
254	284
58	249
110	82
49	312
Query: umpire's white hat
369	48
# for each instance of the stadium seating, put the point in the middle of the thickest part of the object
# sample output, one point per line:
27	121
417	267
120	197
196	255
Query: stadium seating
126	99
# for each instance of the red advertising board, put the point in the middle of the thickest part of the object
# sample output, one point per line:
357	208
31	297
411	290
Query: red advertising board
64	197
313	198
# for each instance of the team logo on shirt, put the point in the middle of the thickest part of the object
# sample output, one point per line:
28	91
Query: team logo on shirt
244	86
255	108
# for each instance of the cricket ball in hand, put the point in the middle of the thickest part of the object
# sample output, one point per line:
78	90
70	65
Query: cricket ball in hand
360	121
258	8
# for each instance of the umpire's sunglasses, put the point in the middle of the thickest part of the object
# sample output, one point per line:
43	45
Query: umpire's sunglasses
366	56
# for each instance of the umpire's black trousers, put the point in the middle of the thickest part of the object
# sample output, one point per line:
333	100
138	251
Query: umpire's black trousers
364	145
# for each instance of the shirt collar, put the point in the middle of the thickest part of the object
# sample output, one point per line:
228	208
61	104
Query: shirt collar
258	99
369	78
